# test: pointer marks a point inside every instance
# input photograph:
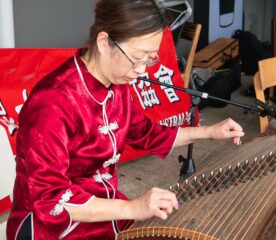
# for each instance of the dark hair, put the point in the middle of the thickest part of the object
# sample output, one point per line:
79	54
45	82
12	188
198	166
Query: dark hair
124	19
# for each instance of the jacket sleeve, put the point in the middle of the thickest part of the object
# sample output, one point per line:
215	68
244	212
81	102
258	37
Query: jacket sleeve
46	126
145	134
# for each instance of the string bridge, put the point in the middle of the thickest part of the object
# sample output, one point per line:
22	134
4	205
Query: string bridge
223	178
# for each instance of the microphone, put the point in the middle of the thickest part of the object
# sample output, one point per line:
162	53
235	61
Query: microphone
205	95
187	90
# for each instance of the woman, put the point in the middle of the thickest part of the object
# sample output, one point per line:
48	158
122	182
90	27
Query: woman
75	125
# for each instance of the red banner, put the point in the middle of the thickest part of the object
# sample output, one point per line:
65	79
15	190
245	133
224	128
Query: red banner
21	69
161	104
167	106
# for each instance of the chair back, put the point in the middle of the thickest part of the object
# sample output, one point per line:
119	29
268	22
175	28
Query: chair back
267	69
264	79
273	37
190	32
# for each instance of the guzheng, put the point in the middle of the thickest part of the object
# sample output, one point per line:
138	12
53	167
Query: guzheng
232	198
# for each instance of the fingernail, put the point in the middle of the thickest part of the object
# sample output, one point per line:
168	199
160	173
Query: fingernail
177	205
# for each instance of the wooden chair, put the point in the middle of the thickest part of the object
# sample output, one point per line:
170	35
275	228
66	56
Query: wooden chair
265	79
273	37
190	32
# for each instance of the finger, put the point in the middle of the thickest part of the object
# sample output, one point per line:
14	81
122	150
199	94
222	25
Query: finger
166	206
161	214
237	141
234	125
167	210
235	134
167	195
160	190
171	197
237	128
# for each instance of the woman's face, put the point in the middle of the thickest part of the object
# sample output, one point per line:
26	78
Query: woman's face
127	60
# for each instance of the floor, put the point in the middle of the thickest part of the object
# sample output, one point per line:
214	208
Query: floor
138	176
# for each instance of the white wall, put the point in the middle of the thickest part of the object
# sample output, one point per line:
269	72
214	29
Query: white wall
65	23
52	23
6	24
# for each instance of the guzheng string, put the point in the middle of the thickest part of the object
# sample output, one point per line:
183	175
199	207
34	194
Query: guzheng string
194	204
217	209
155	219
154	222
223	212
264	195
226	212
260	207
200	202
260	210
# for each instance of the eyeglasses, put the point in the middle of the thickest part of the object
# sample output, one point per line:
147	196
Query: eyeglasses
153	58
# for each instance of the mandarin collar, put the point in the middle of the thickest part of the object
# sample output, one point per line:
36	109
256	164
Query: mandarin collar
94	86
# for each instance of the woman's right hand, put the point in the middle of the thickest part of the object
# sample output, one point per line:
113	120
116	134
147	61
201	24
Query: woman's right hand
156	202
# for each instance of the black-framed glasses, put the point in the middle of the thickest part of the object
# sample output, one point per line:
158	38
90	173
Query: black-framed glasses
153	57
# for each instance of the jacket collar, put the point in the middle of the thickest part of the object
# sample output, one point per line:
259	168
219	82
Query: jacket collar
94	86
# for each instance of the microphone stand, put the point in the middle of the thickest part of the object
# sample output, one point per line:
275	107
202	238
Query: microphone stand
188	165
263	110
205	95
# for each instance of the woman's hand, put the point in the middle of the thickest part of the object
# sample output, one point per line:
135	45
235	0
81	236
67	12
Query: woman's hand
156	202
219	131
226	129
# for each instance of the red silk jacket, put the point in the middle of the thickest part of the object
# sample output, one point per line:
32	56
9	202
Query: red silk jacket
72	131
